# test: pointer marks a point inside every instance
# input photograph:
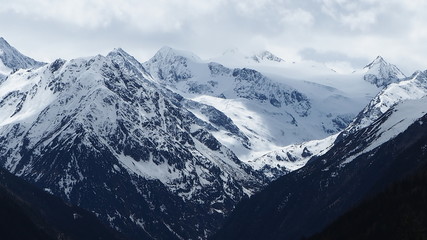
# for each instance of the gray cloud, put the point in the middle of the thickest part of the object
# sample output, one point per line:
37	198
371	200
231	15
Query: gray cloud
336	29
331	56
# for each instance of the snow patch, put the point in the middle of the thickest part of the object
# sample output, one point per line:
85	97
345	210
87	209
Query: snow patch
404	114
149	169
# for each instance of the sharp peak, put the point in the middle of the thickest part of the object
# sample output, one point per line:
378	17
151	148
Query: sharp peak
5	45
118	50
378	60
419	74
267	54
18	60
3	42
167	51
250	54
171	50
121	53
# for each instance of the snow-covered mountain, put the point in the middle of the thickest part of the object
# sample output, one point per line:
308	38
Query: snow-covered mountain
296	155
11	59
166	148
266	56
381	73
414	87
273	111
100	134
360	164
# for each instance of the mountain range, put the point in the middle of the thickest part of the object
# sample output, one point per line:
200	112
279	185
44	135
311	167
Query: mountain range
362	162
165	149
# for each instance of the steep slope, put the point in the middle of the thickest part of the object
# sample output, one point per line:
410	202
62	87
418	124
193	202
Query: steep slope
414	87
11	59
269	113
99	133
296	155
359	164
235	58
292	157
266	56
30	213
381	73
398	213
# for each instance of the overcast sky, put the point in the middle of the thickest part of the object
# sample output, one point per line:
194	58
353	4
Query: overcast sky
345	31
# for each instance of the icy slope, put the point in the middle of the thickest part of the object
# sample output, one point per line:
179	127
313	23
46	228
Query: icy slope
381	73
292	157
283	103
254	102
99	133
11	59
403	88
355	168
295	156
414	87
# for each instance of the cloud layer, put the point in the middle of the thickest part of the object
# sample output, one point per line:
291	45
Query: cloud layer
323	30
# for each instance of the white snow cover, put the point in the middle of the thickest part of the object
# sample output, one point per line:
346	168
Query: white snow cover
413	88
3	69
404	114
13	59
271	139
381	73
277	136
41	100
333	97
292	157
29	109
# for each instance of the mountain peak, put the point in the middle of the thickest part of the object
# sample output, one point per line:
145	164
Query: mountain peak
266	55
118	51
121	57
3	42
377	60
167	52
381	73
13	59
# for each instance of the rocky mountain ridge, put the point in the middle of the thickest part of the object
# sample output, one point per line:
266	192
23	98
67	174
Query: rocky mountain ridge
161	149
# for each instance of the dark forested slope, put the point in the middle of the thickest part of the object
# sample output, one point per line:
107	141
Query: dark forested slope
27	212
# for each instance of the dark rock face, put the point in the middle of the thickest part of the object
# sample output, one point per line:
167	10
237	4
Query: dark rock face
305	201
